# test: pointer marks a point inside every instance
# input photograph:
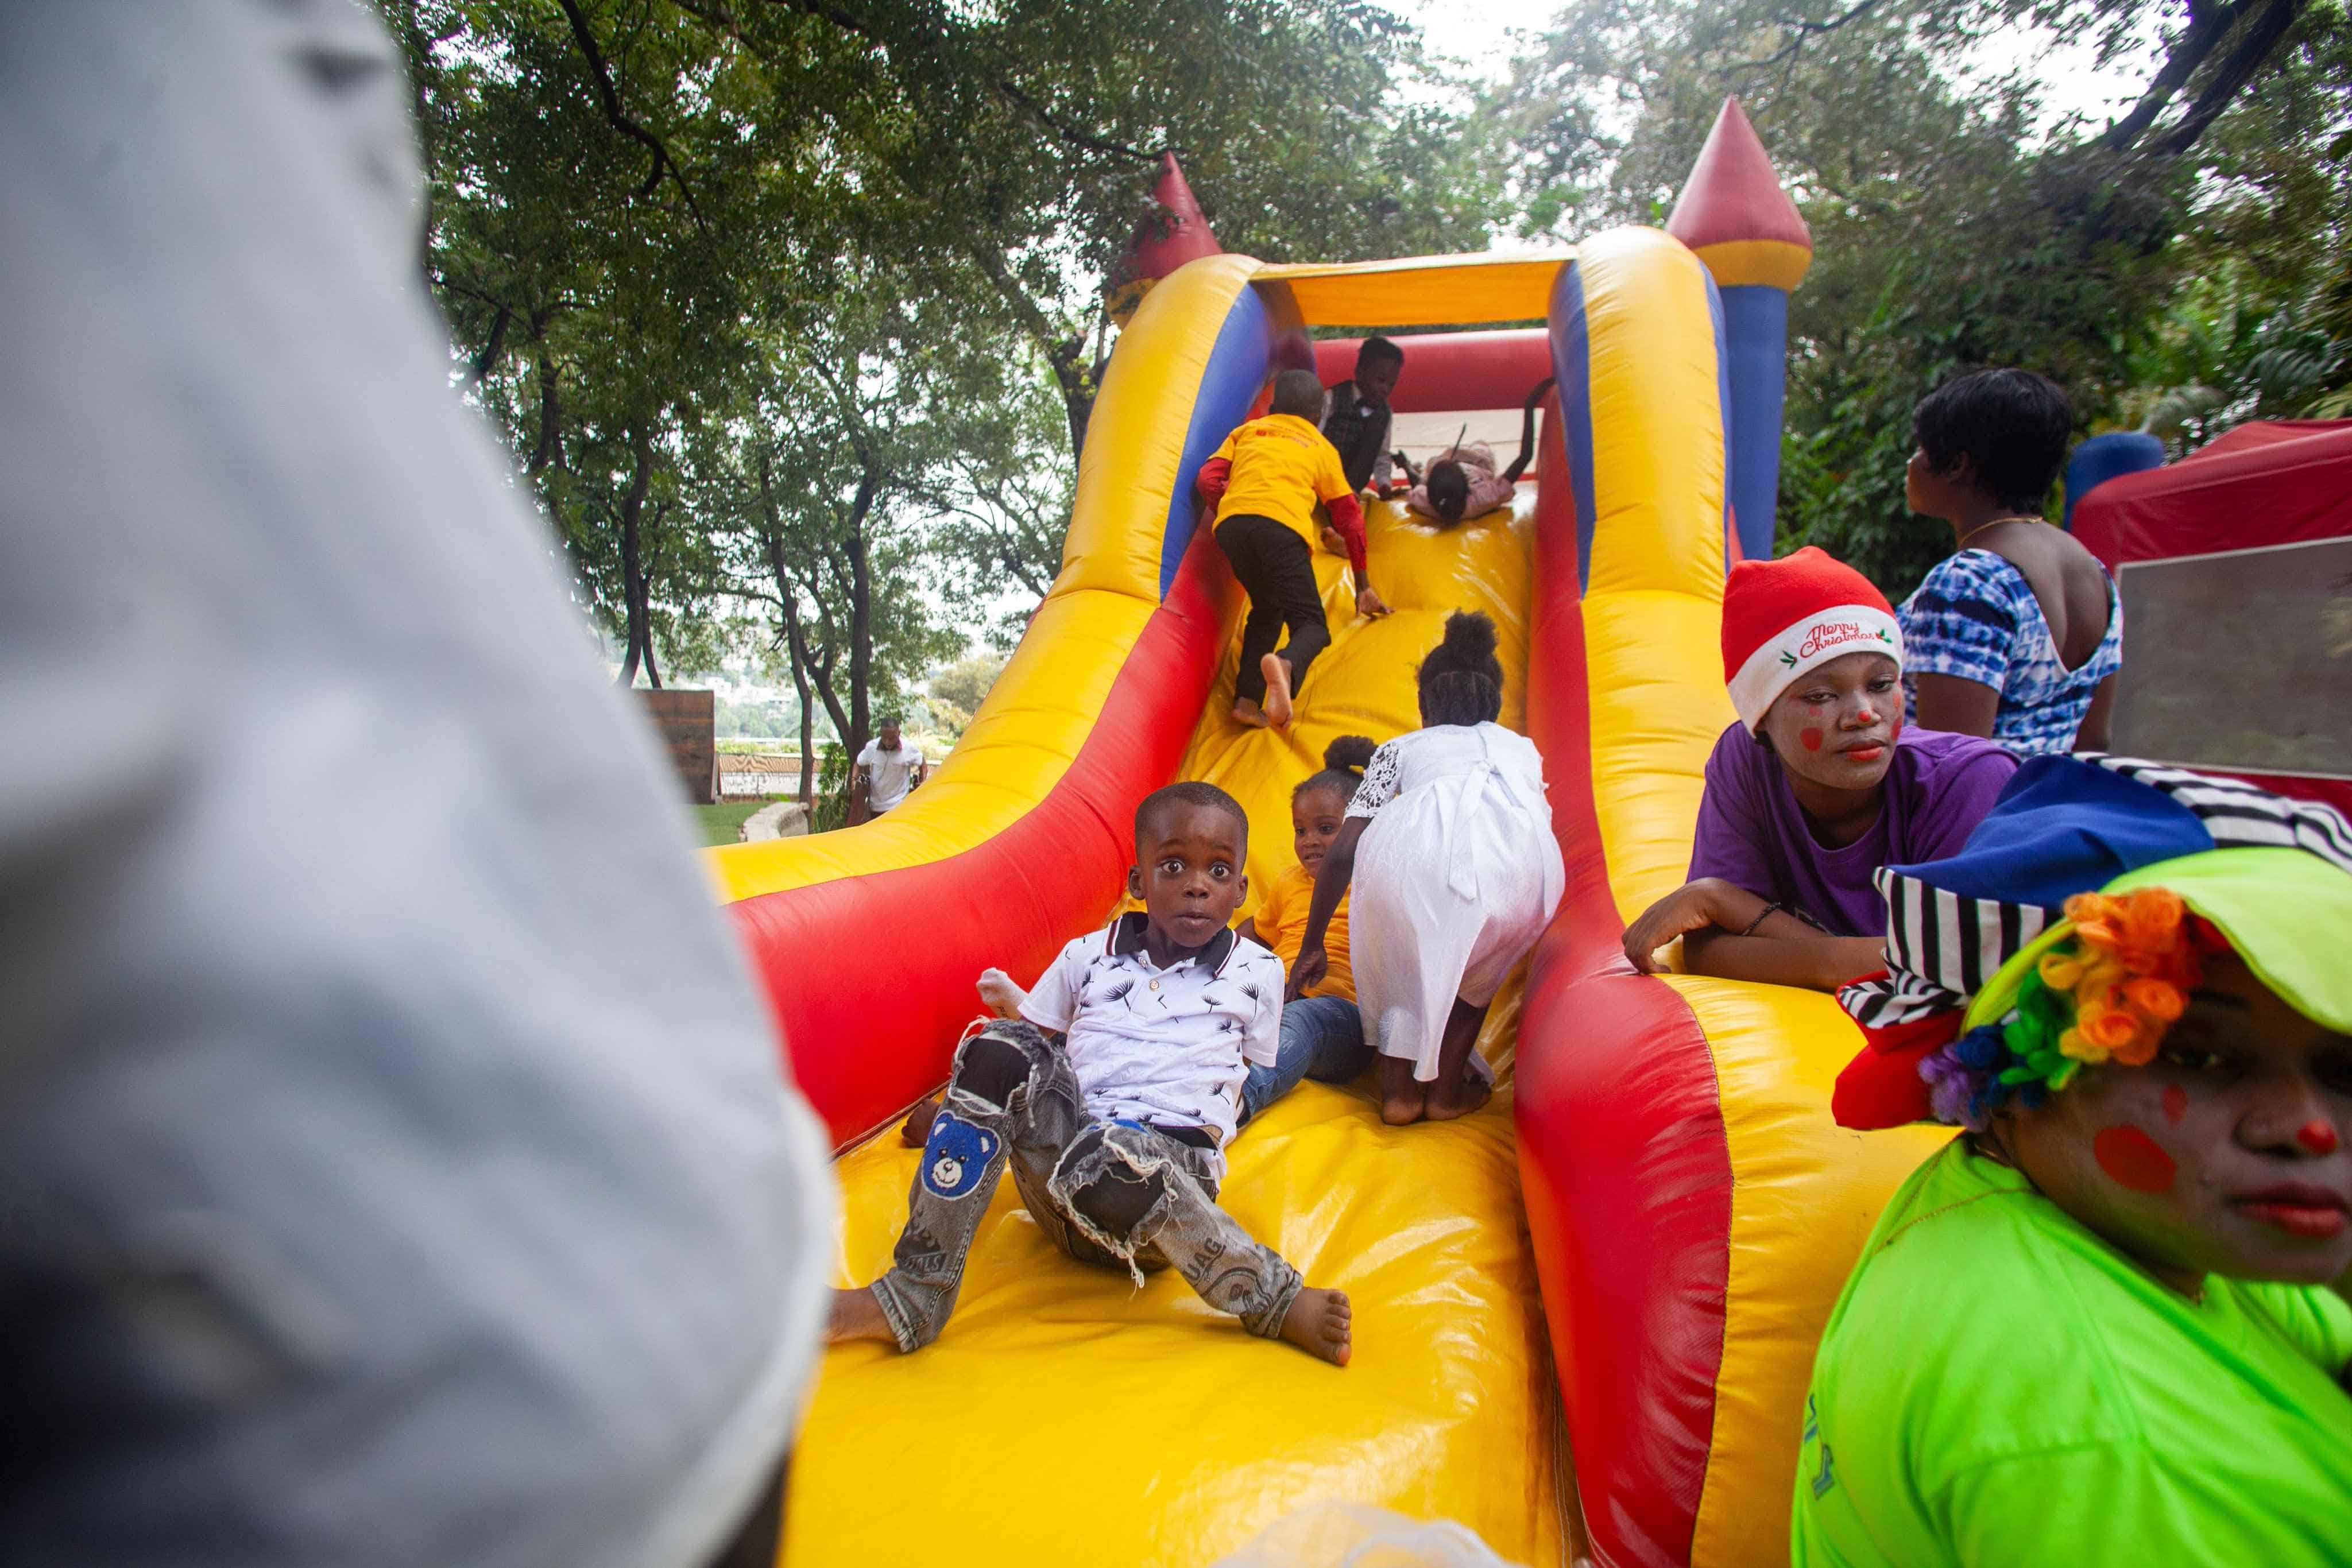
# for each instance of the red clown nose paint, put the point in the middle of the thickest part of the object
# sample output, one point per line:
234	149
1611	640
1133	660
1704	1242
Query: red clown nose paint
2316	1135
2134	1160
2176	1103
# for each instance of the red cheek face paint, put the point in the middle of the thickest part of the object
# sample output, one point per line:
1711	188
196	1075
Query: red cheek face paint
2316	1135
2133	1159
1811	738
2176	1103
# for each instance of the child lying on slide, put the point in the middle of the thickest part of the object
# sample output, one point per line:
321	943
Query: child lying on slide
1461	482
1322	1033
1110	1089
1816	787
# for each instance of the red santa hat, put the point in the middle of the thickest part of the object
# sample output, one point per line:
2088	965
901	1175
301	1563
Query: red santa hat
1781	617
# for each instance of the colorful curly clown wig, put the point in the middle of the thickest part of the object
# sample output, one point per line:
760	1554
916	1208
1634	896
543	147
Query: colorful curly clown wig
2071	928
2106	991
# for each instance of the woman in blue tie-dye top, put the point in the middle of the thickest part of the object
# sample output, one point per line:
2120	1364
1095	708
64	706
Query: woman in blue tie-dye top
2017	635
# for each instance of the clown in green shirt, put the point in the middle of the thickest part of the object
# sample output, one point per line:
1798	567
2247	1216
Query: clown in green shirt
2107	1324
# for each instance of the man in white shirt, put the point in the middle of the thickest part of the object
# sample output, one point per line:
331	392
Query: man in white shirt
1113	1134
887	771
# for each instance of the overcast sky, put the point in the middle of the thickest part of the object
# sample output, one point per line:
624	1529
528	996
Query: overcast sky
1488	36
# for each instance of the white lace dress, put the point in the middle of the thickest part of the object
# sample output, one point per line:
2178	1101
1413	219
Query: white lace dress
1456	877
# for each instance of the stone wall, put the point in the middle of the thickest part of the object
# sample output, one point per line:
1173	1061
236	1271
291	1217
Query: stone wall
688	722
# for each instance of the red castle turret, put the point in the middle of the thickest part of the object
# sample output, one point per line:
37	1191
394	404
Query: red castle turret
1175	232
1733	213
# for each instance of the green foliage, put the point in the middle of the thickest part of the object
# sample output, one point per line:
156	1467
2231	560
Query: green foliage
2263	329
966	683
859	247
757	721
831	809
1949	233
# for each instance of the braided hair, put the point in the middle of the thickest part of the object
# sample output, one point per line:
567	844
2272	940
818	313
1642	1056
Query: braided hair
1344	761
1461	680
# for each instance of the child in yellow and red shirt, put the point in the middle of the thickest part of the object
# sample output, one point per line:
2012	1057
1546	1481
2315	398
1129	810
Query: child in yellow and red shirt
1265	482
1322	1034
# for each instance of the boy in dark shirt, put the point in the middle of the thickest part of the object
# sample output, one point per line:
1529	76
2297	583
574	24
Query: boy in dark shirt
1356	419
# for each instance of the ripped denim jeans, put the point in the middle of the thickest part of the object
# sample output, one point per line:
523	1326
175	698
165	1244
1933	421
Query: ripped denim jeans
1108	1193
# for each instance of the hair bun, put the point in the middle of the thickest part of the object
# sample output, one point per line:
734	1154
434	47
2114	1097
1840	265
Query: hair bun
1349	753
1469	640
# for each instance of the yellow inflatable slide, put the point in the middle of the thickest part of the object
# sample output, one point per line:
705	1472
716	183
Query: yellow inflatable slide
1630	1249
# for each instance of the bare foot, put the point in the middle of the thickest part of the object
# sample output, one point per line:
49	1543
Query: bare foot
1249	714
857	1315
1317	1324
915	1129
1468	1092
1400	1107
1276	670
1403	1098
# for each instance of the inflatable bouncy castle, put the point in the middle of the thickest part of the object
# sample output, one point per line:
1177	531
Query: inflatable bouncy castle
1584	1317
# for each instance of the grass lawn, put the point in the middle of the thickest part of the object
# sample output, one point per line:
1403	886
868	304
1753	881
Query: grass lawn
723	823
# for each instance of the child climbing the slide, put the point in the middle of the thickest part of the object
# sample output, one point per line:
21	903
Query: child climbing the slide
1815	786
1449	849
1265	482
1322	1034
1110	1090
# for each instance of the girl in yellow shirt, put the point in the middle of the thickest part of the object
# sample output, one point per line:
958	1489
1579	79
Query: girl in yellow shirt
1322	1036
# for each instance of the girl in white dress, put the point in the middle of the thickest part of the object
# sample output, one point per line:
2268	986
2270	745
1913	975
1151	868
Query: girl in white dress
1456	873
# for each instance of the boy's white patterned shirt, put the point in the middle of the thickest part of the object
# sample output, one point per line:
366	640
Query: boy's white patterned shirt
1172	1046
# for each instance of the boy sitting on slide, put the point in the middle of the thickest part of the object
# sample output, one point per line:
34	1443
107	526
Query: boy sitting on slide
1110	1089
1264	482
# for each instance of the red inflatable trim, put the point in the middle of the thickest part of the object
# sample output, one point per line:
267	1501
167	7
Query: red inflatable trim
1447	371
1732	193
871	976
2253	492
1623	1160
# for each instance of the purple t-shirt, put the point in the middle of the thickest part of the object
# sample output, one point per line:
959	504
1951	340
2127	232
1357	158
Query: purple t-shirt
1753	834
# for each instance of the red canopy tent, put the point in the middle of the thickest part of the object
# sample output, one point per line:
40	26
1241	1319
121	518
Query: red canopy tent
2273	483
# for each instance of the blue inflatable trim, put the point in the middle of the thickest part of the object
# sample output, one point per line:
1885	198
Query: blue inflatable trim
1237	368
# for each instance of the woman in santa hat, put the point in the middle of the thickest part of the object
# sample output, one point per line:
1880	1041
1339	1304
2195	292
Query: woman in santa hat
1815	786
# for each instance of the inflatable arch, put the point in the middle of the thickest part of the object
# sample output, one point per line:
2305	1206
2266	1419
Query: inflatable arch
1626	1259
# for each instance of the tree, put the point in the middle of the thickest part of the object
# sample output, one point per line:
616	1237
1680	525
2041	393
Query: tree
818	480
2263	328
1951	230
1013	143
965	683
598	199
1000	495
634	202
